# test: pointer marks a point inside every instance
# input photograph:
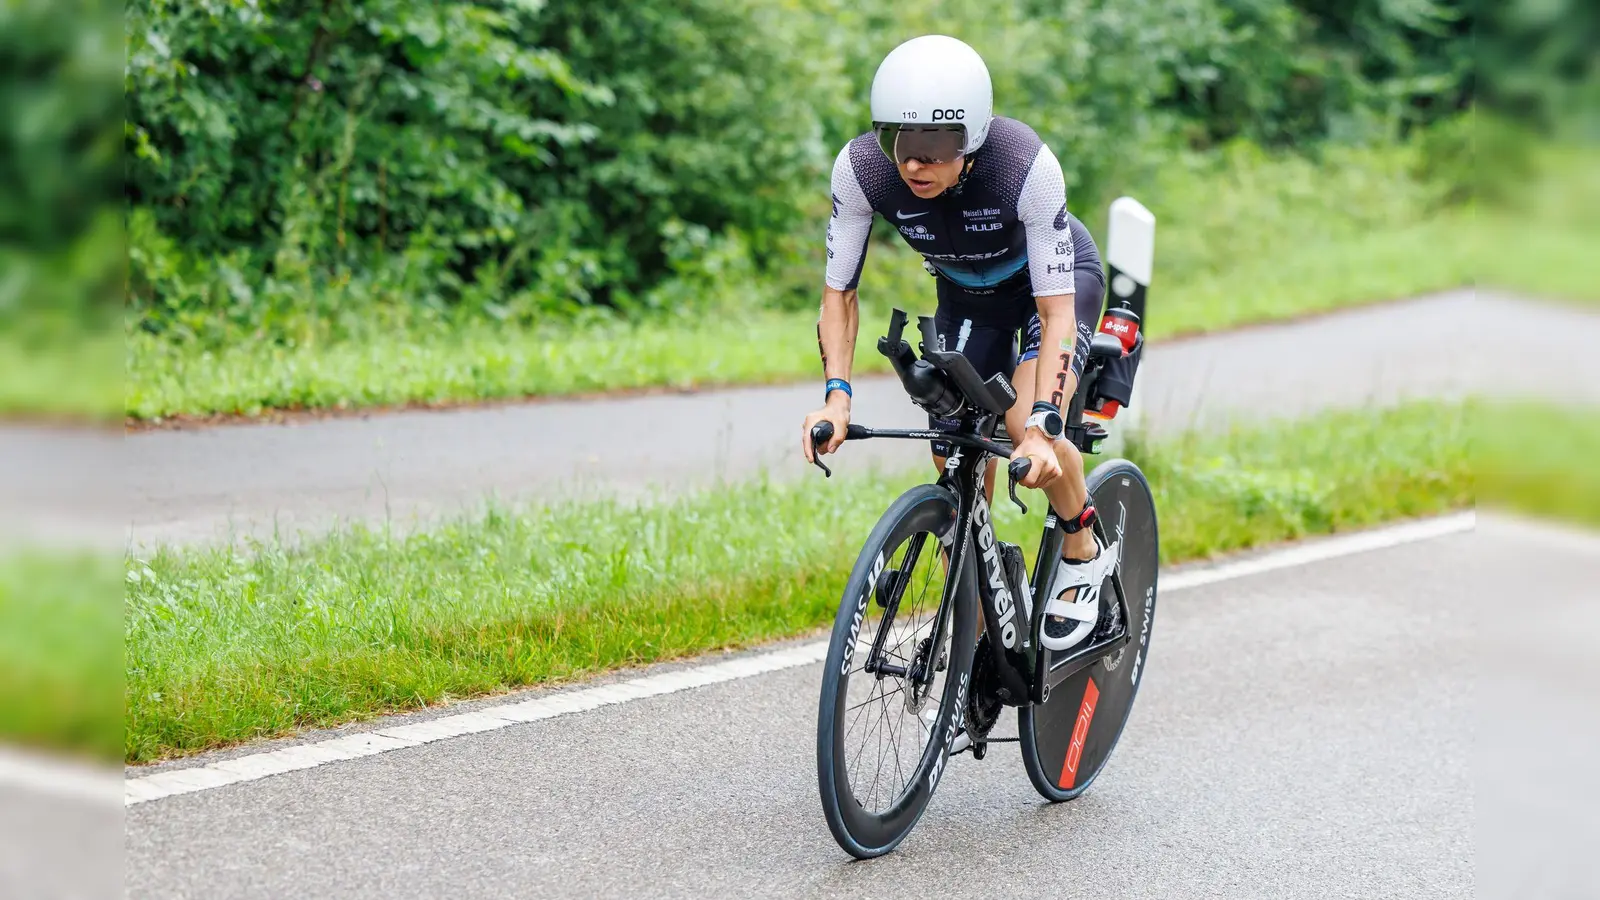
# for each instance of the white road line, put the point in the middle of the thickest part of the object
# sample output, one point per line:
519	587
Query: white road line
306	756
59	778
1319	550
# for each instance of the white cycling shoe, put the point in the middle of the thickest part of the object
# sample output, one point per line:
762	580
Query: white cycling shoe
1075	618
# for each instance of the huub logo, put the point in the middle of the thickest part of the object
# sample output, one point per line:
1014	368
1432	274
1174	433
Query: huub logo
949	115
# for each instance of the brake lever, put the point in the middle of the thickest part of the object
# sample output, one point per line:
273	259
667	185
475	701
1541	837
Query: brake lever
821	433
1018	470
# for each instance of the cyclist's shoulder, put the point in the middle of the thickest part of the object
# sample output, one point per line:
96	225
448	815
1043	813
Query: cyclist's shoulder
1008	157
1015	128
860	154
1013	138
862	163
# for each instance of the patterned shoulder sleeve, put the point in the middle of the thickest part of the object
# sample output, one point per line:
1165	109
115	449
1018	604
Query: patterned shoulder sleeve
1042	210
848	226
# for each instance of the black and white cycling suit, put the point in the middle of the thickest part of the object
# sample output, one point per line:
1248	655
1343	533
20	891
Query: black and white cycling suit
996	241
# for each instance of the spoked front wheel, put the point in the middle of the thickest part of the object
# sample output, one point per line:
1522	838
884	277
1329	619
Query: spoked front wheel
894	684
1067	739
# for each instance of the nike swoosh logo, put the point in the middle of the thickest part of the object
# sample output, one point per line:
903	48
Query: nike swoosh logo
1061	218
902	216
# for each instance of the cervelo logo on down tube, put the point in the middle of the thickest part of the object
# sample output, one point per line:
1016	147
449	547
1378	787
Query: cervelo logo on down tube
1080	733
1004	605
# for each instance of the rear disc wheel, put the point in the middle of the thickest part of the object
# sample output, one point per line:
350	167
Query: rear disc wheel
1067	739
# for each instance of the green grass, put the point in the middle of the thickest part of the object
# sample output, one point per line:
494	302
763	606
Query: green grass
1242	237
76	376
1538	459
1542	241
61	666
228	645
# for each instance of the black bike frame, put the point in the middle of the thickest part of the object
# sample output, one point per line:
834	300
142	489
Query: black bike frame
1026	672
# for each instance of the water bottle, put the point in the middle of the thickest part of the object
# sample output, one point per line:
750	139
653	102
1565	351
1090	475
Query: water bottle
1121	323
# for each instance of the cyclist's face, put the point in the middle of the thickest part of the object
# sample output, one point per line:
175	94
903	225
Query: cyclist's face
928	181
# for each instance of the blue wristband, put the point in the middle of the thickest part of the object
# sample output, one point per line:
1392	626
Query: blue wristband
836	384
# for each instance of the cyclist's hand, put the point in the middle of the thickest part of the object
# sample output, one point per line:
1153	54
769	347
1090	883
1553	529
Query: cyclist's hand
1046	468
837	412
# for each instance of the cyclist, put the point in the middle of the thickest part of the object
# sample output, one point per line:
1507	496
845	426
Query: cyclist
983	200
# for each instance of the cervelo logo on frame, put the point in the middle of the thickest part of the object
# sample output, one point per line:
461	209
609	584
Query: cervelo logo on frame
1004	605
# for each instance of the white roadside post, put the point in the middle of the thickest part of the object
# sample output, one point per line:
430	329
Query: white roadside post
1130	261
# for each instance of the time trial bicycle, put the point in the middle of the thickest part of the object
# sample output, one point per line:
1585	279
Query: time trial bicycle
909	681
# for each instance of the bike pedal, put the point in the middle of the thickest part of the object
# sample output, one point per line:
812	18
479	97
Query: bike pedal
979	750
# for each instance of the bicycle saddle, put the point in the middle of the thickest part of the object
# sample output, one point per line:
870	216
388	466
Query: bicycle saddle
1105	346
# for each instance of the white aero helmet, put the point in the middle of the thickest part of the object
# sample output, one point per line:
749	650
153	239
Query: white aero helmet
927	91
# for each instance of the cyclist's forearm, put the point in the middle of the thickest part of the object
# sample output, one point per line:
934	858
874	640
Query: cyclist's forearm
836	332
1055	380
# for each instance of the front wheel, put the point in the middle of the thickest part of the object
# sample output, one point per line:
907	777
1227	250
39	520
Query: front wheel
883	736
1067	739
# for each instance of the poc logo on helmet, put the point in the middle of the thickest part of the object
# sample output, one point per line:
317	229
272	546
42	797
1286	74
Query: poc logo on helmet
949	115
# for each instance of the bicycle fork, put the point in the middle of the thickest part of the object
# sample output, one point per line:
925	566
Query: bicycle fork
955	563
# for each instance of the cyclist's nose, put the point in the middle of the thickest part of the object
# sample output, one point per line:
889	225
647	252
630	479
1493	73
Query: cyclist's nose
913	166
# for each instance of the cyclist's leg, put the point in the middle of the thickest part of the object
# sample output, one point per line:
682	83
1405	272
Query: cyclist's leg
990	344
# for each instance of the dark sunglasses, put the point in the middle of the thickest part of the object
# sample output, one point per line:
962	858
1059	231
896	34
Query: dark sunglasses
928	144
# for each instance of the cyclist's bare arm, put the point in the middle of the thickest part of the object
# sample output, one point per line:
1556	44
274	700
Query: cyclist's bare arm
837	328
848	230
1054	381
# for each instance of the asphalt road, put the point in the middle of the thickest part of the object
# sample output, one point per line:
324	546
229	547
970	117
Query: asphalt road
204	484
1303	733
54	847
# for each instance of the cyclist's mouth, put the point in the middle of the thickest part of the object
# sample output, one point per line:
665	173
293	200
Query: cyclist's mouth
919	185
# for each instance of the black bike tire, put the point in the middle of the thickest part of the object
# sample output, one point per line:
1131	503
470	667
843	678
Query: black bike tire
860	833
1026	715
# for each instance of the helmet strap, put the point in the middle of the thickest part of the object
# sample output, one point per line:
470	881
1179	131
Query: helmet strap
961	181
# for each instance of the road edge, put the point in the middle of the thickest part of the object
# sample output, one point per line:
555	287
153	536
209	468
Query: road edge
411	733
